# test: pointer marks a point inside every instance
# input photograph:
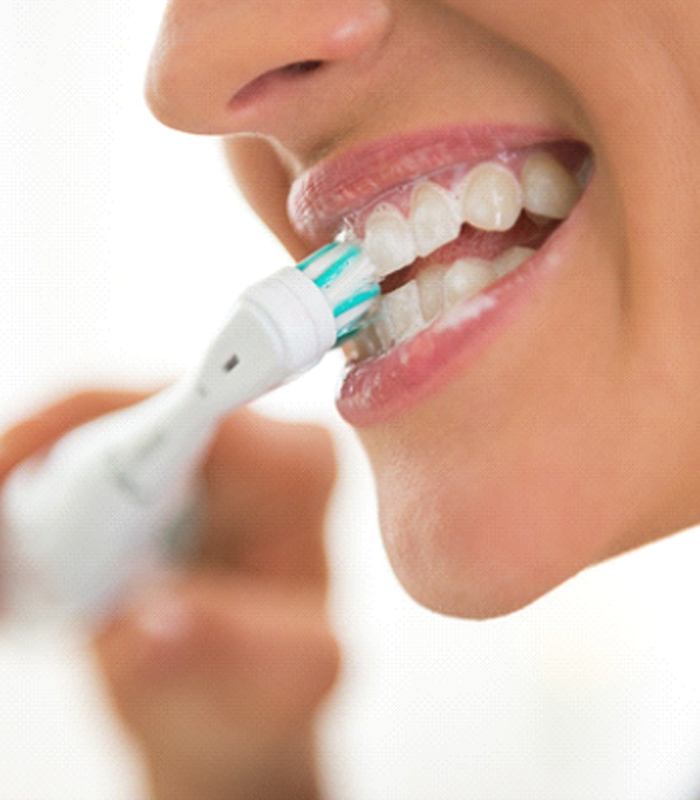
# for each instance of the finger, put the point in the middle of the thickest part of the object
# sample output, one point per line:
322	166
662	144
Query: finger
43	428
268	487
226	661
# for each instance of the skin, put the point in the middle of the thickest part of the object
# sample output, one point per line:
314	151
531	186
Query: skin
576	435
218	672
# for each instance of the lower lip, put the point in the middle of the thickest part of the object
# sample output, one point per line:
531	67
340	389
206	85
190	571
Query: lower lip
380	389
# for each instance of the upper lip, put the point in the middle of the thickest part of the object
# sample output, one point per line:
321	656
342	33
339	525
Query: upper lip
324	194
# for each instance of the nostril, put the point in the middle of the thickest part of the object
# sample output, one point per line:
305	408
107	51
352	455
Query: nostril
302	67
256	88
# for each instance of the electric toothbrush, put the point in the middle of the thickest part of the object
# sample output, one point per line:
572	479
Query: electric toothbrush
86	522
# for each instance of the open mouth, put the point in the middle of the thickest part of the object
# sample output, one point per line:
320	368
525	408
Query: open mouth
463	223
446	237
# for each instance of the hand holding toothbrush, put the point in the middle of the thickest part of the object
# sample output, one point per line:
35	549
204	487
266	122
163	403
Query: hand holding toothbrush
86	522
219	675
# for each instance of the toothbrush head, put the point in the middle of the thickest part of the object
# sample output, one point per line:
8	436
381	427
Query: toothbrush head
348	281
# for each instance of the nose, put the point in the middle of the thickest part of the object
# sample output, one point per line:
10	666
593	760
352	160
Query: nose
262	66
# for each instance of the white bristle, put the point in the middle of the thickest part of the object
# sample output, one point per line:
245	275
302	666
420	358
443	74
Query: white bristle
353	315
358	273
343	272
317	263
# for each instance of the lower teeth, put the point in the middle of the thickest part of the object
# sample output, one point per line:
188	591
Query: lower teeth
414	306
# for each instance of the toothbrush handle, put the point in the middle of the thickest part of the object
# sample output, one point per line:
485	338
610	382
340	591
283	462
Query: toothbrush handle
84	524
78	531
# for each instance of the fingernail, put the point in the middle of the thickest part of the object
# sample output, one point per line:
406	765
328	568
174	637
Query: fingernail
165	617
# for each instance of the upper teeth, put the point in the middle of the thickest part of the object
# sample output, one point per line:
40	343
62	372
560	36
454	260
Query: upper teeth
548	188
489	197
389	240
434	218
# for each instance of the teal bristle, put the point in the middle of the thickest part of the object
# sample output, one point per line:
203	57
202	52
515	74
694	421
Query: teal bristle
363	295
307	262
349	331
348	280
337	267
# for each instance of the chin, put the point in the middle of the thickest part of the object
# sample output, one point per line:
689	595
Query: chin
483	548
471	568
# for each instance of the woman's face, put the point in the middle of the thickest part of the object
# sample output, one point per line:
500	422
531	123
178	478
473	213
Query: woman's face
553	419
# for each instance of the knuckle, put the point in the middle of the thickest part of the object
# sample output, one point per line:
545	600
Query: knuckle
323	669
331	664
84	400
320	452
312	474
84	403
291	455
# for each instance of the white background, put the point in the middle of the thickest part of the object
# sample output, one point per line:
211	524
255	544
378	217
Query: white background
120	242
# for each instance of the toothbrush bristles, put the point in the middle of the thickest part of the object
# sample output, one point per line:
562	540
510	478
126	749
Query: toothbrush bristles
348	280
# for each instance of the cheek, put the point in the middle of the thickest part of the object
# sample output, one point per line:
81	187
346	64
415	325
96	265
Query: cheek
264	178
